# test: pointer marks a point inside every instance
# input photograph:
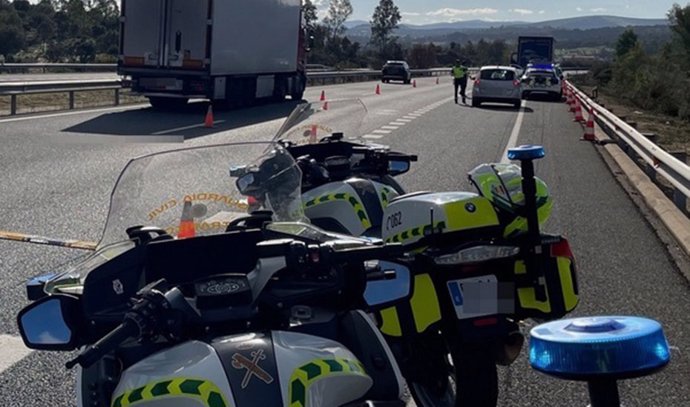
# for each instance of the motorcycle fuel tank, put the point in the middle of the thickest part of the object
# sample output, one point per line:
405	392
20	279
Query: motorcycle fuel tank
354	206
272	369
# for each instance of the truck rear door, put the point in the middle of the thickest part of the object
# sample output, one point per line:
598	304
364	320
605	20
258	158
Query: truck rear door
187	33
141	26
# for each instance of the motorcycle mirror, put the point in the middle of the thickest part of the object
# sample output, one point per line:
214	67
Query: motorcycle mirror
49	323
397	167
386	291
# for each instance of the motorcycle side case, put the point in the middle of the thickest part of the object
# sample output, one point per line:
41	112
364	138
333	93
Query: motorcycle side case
410	218
354	206
272	369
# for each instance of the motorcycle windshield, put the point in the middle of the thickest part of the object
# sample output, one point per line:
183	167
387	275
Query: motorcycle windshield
194	191
200	190
310	122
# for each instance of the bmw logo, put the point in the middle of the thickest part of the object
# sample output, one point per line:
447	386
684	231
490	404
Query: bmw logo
470	207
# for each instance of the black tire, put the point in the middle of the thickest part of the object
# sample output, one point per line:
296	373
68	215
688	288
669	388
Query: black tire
517	103
468	378
525	95
167	103
476	102
429	373
475	374
297	92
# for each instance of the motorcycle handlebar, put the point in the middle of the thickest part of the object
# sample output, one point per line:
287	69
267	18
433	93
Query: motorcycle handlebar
128	329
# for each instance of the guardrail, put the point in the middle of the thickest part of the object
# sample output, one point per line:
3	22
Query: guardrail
675	171
16	89
44	67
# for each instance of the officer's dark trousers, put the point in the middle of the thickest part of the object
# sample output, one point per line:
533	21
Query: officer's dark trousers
462	84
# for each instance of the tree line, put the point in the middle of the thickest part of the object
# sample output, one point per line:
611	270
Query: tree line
332	46
654	81
59	30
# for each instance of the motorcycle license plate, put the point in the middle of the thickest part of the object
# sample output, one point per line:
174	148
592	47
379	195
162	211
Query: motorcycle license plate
475	296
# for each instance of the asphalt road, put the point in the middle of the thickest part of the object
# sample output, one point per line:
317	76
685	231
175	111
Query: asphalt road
58	172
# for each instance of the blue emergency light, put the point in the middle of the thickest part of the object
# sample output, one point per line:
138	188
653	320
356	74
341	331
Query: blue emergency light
599	350
526	152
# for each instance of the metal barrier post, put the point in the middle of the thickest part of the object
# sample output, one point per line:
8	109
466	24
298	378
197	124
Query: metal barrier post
13	105
71	100
117	97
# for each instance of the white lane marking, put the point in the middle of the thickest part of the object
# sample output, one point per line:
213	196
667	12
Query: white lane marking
381	131
408	117
13	350
415	115
404	120
158	133
376	136
389	127
512	141
397	123
47	116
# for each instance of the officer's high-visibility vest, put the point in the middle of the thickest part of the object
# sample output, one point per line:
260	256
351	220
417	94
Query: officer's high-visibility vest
459	72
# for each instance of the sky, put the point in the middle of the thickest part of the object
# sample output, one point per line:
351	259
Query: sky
435	11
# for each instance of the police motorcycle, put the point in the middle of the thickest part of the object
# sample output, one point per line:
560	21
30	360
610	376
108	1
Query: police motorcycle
205	305
481	264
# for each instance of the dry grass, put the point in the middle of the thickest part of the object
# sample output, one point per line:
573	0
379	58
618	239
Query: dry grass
673	134
60	101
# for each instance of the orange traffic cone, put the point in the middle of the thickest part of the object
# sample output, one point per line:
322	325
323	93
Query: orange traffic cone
323	96
414	83
437	80
589	127
325	105
378	89
186	222
578	112
571	101
312	134
208	120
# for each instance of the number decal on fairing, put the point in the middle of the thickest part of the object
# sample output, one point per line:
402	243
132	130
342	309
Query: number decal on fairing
394	220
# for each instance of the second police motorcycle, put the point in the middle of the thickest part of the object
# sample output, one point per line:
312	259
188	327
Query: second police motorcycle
480	264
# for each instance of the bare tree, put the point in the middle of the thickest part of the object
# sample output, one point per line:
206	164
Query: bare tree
338	13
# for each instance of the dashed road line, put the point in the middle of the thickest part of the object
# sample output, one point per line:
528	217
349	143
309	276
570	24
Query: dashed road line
382	131
512	141
398	123
389	127
13	350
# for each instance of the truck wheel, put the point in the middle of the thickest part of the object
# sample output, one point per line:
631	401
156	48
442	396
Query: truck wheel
297	92
165	103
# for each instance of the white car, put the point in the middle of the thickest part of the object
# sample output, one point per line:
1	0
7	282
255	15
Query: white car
497	84
544	81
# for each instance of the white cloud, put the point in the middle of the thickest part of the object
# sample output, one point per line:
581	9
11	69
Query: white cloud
521	11
542	11
578	8
409	14
455	14
598	10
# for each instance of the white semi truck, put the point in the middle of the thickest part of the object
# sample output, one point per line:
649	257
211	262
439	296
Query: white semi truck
232	51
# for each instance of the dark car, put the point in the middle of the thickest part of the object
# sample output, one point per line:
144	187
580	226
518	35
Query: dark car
397	71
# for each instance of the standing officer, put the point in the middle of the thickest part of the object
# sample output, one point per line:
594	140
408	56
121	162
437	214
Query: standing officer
459	72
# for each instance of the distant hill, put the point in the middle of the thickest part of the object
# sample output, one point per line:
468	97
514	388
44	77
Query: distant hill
361	28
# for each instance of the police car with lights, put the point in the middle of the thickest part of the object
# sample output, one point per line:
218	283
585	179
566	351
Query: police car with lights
542	79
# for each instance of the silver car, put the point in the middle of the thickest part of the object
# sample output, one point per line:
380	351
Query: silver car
498	84
541	81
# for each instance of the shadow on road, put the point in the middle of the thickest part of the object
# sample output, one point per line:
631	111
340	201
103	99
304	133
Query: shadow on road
186	123
504	108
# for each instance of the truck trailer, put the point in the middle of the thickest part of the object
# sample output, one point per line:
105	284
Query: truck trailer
232	51
533	50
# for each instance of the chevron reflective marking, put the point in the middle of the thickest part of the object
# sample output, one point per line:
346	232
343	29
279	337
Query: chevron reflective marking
201	390
304	376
